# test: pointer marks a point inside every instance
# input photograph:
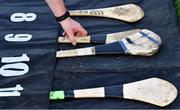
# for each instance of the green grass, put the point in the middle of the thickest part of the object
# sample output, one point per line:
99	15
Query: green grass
177	4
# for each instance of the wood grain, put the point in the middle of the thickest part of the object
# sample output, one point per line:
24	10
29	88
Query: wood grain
128	13
90	93
142	45
155	91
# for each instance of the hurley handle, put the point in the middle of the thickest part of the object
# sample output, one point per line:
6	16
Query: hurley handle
101	92
96	39
101	38
76	52
82	40
112	48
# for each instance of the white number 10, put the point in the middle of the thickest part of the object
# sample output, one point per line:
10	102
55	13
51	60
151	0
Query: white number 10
15	66
21	17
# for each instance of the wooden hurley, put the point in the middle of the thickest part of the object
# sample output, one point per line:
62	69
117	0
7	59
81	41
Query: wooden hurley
143	43
100	38
154	91
128	13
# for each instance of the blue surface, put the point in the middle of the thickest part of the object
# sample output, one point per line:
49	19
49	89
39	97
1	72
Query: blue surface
97	71
40	49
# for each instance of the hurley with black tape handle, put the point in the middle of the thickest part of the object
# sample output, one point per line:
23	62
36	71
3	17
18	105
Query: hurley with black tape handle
154	91
143	43
100	38
128	12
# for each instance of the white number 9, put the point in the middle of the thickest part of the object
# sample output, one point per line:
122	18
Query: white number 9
20	17
18	37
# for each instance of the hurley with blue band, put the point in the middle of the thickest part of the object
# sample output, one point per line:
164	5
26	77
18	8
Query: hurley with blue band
142	43
101	38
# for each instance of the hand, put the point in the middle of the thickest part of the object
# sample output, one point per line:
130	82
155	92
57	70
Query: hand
73	29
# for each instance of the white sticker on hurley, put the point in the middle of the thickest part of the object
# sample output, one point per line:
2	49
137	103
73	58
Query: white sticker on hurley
85	51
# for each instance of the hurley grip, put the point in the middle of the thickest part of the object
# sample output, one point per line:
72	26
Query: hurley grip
86	39
76	52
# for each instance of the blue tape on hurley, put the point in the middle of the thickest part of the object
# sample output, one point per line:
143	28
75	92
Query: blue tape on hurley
123	46
150	38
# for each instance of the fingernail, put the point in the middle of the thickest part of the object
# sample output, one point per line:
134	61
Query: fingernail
74	43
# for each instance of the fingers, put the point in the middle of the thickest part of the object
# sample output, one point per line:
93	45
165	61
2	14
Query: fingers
77	33
73	29
64	34
71	37
81	31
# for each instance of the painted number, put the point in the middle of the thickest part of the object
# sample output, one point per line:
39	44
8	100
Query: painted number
11	91
22	58
21	17
18	37
15	69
